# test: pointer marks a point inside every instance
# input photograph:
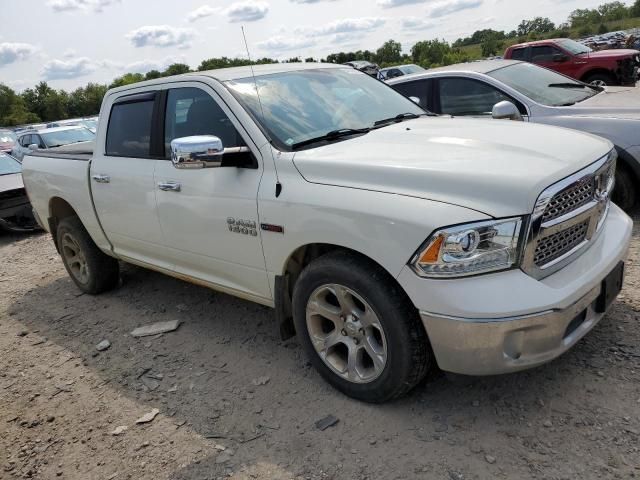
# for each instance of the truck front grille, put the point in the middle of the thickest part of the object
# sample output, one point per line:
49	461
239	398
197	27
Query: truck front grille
556	245
567	217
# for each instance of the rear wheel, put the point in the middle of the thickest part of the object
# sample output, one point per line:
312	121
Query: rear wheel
624	193
600	79
91	270
359	329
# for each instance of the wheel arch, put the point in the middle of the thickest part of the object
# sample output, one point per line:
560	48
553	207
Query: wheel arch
293	266
59	209
596	70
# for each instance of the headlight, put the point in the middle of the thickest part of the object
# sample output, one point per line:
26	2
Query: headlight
470	249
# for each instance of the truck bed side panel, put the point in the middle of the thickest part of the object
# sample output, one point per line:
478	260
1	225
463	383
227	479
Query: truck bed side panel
46	178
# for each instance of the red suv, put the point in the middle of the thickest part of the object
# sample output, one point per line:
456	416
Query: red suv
566	56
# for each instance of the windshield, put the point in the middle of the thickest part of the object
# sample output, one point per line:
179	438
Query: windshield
302	105
574	47
7	136
90	124
543	86
66	137
409	69
9	165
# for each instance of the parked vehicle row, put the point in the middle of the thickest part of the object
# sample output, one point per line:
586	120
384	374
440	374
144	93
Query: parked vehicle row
53	137
507	89
387	238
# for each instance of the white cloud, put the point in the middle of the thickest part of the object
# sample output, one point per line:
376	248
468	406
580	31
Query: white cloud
311	1
415	23
161	36
13	52
247	11
445	7
64	69
283	44
71	5
344	26
397	3
145	66
202	12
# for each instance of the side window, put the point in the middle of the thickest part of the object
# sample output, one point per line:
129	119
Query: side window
543	53
420	89
191	111
24	141
518	54
37	139
129	131
463	96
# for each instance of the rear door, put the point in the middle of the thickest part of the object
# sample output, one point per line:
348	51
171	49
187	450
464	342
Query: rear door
122	181
420	89
210	219
459	96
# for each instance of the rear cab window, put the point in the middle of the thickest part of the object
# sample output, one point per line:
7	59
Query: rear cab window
518	53
130	126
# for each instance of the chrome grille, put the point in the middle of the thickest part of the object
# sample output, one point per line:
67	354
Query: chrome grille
570	199
554	246
567	217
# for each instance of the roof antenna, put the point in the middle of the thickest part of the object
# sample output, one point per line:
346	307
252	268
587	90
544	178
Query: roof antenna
255	83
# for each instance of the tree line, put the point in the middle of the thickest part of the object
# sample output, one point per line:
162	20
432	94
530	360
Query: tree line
43	103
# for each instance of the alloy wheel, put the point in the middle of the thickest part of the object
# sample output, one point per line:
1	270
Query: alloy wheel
75	259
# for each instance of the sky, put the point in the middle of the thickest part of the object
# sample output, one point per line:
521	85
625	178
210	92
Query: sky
69	43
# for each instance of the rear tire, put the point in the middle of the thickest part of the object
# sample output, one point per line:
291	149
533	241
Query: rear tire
600	79
624	193
90	269
344	303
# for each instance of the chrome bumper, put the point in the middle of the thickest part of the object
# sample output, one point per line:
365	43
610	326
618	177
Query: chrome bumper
502	345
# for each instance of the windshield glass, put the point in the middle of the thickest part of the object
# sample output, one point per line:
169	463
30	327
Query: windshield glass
409	69
66	137
306	104
7	136
90	124
574	47
9	165
543	86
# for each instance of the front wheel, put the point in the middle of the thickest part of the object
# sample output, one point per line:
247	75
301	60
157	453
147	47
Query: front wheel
359	329
91	270
624	192
600	79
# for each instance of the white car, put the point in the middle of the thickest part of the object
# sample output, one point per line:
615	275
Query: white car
398	71
46	138
537	95
387	239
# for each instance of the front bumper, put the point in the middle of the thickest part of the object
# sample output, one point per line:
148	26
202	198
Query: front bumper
508	321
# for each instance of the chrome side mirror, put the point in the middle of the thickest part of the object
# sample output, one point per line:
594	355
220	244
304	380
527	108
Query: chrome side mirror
33	147
415	100
506	111
202	151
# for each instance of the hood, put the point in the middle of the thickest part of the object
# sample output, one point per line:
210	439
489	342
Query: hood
12	181
498	168
612	53
612	102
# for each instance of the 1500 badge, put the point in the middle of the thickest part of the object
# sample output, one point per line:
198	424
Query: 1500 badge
246	227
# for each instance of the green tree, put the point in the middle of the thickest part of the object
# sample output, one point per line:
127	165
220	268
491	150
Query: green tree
490	45
634	10
127	79
176	69
389	53
613	11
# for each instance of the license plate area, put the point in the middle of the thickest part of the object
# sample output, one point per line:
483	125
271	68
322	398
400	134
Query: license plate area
611	287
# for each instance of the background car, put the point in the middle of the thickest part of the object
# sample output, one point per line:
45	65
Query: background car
90	123
364	66
50	138
16	214
571	58
7	140
523	91
399	71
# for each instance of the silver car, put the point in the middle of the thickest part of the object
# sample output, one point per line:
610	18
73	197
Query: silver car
507	89
45	138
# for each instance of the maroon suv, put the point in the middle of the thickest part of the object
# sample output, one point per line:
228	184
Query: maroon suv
566	56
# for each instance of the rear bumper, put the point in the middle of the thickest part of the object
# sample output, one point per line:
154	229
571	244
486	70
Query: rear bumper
509	321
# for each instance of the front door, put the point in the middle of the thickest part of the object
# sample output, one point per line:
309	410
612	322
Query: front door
199	214
122	181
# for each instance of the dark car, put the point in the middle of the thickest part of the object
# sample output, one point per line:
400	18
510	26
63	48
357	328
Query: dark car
366	67
16	214
8	140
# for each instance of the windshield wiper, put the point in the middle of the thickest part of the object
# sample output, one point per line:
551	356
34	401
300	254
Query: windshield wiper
575	85
332	135
397	119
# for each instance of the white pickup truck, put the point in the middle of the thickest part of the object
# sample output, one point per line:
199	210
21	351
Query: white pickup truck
389	240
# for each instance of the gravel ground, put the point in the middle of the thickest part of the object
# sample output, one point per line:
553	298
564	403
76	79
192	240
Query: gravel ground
234	401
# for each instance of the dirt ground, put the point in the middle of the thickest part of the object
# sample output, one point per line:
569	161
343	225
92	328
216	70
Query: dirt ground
234	401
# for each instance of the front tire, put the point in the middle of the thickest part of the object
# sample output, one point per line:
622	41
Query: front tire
600	79
359	329
90	269
624	193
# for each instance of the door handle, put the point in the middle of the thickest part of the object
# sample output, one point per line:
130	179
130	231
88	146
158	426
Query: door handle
99	178
169	186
